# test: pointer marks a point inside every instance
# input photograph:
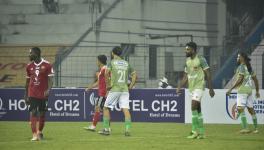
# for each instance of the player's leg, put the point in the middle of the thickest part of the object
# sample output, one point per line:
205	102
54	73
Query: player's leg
198	97
33	118
200	123
101	107
127	121
252	112
96	116
194	108
124	104
110	102
41	124
106	117
254	118
43	107
241	103
197	120
106	120
98	107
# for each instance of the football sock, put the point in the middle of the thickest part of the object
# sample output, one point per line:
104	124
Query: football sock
243	120
194	120
41	123
200	123
255	121
128	123
106	122
96	118
33	123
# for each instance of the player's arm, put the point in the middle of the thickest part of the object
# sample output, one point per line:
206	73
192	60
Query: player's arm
26	86
50	84
50	80
26	91
182	82
133	79
93	85
209	82
237	83
255	79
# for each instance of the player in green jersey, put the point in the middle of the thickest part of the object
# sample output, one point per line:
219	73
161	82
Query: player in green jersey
116	76
244	75
196	70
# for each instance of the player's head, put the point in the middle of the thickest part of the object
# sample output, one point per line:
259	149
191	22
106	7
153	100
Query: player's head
101	60
117	51
190	49
34	53
243	58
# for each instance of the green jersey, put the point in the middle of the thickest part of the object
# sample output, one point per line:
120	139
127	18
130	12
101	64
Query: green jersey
246	86
194	69
119	70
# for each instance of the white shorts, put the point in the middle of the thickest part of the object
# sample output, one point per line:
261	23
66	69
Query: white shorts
196	94
113	97
245	100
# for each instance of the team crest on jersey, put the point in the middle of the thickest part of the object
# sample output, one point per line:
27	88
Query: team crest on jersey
42	67
231	106
31	69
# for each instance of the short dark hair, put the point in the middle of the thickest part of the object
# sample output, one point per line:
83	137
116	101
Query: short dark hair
192	45
117	50
36	50
102	59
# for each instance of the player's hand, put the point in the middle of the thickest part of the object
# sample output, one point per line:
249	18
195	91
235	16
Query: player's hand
130	87
26	100
46	93
228	92
257	95
211	92
87	89
178	91
108	88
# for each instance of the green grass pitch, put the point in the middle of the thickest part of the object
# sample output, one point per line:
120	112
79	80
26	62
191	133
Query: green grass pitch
145	136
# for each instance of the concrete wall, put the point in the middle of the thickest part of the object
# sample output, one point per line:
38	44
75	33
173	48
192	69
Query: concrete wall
131	21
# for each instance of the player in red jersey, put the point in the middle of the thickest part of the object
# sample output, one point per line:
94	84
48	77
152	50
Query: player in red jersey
38	84
100	83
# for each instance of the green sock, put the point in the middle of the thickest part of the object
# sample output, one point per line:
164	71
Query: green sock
106	122
194	120
200	123
128	123
255	121
243	120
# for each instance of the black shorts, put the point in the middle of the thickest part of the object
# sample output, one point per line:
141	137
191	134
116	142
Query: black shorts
100	102
38	104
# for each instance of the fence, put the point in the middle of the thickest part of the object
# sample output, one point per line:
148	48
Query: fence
152	62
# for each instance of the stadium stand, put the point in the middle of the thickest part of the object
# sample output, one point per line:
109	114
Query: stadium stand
13	62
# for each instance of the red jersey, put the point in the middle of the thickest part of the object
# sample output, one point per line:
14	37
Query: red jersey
38	75
101	82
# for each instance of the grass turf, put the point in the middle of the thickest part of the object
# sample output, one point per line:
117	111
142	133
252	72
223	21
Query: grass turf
145	136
